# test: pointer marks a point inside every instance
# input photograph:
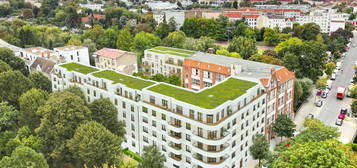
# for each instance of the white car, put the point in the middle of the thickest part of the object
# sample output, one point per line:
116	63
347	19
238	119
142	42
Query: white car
333	76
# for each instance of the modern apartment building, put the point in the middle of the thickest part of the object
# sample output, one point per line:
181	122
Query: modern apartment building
78	54
329	20
30	54
118	60
210	128
164	60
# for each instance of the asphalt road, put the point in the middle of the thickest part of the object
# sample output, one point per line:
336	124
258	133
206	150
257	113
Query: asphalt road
332	105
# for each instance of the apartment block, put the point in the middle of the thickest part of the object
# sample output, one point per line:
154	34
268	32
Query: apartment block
118	60
164	60
78	54
212	128
29	55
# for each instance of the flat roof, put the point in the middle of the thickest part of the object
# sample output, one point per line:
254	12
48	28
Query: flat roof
249	68
208	98
129	81
172	51
79	68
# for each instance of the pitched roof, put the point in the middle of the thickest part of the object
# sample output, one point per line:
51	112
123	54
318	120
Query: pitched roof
92	16
240	15
39	51
45	65
283	75
110	53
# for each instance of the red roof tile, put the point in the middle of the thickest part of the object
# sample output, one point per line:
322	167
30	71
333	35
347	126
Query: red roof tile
110	53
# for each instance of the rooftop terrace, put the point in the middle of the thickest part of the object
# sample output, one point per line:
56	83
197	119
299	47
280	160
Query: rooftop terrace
79	68
210	98
172	51
131	82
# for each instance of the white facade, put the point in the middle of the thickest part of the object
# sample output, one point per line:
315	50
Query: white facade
161	63
77	54
178	15
328	20
279	22
159	17
93	6
188	135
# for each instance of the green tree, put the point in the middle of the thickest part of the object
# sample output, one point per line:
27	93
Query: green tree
24	137
143	41
175	39
308	31
260	148
349	26
298	92
225	52
329	67
8	117
93	145
61	115
291	45
306	85
29	102
41	81
108	38
124	40
76	91
316	131
4	66
152	158
271	36
266	59
321	83
162	30
329	153
24	157
105	113
201	44
284	126
12	85
354	107
244	46
16	63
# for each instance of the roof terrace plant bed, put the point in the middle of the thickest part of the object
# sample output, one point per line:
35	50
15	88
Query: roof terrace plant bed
209	98
79	68
131	82
172	51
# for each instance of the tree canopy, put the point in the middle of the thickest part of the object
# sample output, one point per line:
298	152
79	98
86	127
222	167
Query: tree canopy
24	156
152	158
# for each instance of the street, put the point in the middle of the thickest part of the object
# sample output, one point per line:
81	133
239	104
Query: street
332	105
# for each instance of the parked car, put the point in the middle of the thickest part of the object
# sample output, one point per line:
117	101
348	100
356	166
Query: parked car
318	103
339	122
333	76
341	116
324	95
310	115
344	111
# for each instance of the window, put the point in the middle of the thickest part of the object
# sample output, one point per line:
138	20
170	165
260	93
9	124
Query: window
152	99
234	121
153	133
132	118
153	113
145	129
192	114
188	137
163	117
145	139
132	108
164	103
179	109
163	127
154	123
145	120
163	138
196	82
188	148
199	116
145	110
115	101
124	105
188	126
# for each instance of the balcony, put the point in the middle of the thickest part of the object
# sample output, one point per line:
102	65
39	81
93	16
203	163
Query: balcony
175	135
175	157
212	162
175	124
218	148
175	146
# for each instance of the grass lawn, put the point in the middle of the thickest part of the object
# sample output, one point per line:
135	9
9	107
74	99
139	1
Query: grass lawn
172	51
209	98
78	68
129	81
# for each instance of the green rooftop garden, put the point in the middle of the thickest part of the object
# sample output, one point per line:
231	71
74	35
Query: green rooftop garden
129	81
209	98
78	68
172	51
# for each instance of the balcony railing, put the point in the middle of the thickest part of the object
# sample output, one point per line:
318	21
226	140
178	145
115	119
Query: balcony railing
176	157
211	150
175	146
177	125
200	158
177	136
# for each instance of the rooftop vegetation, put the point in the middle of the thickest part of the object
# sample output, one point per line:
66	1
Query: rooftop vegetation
210	98
172	51
78	68
131	82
